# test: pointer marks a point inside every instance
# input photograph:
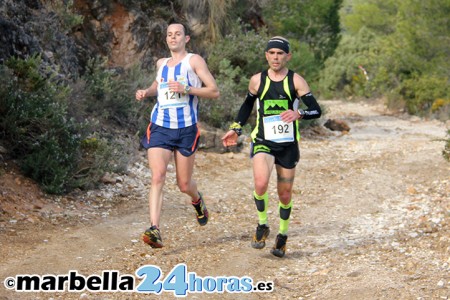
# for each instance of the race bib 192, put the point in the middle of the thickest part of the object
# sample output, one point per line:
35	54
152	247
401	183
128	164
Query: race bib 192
277	131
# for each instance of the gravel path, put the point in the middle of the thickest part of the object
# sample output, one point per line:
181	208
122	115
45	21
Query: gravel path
371	220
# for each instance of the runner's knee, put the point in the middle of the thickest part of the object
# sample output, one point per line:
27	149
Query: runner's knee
184	186
261	186
158	178
285	196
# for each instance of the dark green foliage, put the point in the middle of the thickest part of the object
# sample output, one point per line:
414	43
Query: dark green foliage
404	47
314	22
64	10
343	74
42	123
233	85
108	93
96	157
421	92
35	124
51	159
233	60
378	16
242	48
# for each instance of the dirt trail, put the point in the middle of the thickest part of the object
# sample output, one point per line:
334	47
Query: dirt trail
371	220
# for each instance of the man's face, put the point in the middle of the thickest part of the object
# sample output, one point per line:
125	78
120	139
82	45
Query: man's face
176	39
277	58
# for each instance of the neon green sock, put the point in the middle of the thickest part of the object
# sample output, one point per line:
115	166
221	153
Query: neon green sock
261	205
285	213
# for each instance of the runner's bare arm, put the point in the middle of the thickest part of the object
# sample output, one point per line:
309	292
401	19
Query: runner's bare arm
209	88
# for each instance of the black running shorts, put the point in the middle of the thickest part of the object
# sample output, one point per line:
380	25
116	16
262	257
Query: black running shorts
286	155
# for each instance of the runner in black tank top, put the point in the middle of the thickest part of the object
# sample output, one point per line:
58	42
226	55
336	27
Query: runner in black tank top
275	137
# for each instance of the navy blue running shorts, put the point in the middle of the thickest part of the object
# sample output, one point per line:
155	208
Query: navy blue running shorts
184	140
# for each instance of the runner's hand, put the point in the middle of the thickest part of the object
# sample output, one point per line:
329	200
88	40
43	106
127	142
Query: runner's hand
230	139
140	94
175	86
289	116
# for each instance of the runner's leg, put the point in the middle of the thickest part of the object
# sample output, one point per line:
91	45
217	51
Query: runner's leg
285	181
158	159
262	168
185	169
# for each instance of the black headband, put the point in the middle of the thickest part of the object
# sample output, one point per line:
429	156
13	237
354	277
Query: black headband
279	44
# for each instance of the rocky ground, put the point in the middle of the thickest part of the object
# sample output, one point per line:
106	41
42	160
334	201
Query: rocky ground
371	219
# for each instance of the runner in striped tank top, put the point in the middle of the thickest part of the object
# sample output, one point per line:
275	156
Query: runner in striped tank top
181	80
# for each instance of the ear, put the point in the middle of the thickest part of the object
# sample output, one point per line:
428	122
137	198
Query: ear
188	38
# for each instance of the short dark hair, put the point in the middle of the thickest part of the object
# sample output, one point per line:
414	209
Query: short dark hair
185	27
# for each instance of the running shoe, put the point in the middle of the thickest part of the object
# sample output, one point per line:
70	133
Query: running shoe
259	239
152	237
280	245
202	212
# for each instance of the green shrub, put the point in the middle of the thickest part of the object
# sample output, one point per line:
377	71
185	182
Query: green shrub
342	75
36	126
94	161
421	92
108	94
232	85
107	98
446	151
44	136
243	49
68	19
52	159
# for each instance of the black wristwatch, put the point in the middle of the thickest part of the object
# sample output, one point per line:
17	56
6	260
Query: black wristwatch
187	88
301	112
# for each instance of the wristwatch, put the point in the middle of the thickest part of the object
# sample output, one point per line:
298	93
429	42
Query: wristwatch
187	88
301	112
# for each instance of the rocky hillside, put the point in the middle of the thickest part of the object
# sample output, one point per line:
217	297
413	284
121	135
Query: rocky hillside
67	35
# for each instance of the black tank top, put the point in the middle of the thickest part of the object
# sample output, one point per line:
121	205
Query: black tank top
274	97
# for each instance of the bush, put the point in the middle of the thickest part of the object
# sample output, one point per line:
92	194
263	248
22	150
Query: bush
232	60
343	74
36	126
108	94
64	10
243	49
50	145
446	151
422	93
219	113
95	159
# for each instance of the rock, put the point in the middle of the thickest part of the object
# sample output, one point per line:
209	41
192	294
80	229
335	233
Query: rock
336	125
108	179
211	140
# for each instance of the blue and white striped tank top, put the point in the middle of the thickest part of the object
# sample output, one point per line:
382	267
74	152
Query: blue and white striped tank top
175	110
